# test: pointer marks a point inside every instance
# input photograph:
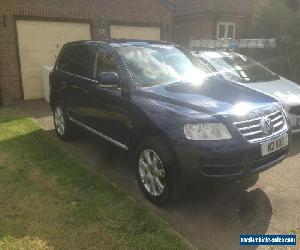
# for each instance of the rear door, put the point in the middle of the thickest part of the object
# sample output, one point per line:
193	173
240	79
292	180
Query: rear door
74	79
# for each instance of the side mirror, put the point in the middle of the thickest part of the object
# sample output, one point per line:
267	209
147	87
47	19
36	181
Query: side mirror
108	79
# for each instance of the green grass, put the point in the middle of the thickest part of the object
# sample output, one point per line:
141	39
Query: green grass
50	200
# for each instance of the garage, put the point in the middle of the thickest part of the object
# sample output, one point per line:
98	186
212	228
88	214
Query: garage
39	44
32	33
135	32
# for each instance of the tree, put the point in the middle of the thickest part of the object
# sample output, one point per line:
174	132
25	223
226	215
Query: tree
280	19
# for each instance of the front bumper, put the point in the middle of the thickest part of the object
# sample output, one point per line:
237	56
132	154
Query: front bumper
225	159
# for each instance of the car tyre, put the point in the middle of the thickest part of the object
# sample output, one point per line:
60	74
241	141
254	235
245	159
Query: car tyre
63	126
157	173
249	181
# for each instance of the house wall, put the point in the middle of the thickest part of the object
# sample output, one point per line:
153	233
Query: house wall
198	19
193	28
191	7
100	13
258	6
205	27
240	25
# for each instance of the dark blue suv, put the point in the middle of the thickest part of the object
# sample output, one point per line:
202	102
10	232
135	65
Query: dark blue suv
159	102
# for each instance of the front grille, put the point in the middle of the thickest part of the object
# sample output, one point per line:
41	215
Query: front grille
295	110
253	132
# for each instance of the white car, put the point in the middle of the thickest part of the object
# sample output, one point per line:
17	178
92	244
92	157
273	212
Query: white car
247	72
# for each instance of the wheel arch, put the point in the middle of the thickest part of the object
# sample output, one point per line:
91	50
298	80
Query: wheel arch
140	133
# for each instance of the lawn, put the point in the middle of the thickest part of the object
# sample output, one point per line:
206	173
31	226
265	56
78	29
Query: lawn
50	200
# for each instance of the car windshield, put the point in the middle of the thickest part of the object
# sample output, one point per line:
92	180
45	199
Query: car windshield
151	64
238	68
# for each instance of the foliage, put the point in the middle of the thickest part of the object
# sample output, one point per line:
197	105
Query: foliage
280	19
50	199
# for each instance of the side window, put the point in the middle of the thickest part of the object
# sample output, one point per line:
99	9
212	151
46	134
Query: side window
75	60
104	62
65	59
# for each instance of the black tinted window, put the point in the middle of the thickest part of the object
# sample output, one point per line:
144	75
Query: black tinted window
104	62
75	60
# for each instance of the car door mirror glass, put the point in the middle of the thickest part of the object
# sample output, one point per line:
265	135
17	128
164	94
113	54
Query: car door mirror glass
108	79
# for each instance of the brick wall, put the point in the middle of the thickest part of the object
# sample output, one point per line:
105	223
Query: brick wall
99	12
188	8
198	19
9	71
205	27
191	7
241	25
258	6
233	7
197	28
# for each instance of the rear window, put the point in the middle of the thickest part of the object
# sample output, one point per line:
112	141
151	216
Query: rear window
75	59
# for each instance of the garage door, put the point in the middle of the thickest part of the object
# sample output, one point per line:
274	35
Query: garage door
134	32
39	44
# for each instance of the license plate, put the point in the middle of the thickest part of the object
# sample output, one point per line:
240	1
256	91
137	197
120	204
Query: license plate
274	145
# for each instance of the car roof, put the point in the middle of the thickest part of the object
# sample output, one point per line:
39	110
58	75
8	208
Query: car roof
121	42
85	42
217	54
138	41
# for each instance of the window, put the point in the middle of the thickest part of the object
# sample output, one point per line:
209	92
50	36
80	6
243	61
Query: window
239	68
104	62
226	31
152	65
75	60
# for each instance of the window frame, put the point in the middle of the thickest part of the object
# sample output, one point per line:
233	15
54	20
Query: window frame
94	65
61	56
226	24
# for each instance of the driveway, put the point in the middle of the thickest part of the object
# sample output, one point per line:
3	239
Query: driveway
210	217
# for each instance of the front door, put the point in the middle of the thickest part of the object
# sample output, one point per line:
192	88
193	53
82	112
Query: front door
110	114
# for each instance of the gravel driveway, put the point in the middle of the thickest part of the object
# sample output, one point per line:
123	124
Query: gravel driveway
210	217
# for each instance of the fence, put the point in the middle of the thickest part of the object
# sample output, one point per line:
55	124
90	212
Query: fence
232	44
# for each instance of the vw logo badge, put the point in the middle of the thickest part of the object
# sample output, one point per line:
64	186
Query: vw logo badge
266	125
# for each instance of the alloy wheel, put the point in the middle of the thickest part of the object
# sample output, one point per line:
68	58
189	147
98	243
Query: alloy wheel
152	172
59	121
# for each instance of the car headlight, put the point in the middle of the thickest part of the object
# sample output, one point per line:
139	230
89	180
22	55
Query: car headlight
208	131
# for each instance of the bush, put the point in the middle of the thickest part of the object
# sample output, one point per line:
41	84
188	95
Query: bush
280	19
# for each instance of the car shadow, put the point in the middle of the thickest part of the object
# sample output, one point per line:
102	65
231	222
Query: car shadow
216	215
208	215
